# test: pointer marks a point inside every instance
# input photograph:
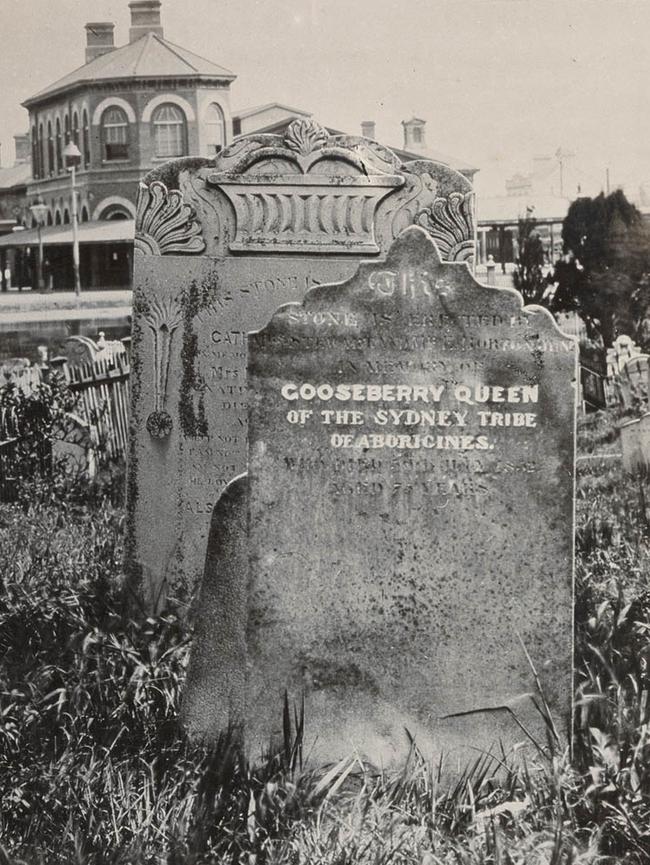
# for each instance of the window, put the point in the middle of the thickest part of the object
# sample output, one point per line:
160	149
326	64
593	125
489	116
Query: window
215	130
417	135
114	212
75	128
35	165
115	129
67	129
59	150
50	148
66	217
84	214
86	140
169	131
41	151
57	218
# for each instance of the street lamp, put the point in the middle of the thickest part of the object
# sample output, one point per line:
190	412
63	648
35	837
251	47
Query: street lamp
39	211
72	156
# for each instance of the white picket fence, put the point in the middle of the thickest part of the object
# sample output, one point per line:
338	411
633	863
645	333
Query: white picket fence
99	427
103	387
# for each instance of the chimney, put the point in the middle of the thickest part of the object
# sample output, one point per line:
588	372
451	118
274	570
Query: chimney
368	128
99	39
23	148
414	137
145	18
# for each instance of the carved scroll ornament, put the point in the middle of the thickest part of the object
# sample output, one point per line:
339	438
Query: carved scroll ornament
450	223
165	224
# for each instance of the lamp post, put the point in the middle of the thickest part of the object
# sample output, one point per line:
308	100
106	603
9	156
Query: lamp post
72	156
39	211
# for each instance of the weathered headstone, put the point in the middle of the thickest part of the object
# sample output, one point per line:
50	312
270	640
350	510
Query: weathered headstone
81	350
221	245
634	381
635	444
410	527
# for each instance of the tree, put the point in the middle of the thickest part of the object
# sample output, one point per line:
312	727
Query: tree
603	273
529	276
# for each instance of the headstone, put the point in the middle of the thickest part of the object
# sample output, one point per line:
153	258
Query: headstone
73	446
79	350
410	522
219	246
634	381
635	444
592	389
82	350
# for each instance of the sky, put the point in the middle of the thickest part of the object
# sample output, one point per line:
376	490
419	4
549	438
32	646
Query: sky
498	81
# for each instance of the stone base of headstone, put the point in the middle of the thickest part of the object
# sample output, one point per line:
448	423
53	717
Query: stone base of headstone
233	684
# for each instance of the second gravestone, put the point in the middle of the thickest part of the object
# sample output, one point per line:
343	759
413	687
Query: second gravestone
219	247
408	560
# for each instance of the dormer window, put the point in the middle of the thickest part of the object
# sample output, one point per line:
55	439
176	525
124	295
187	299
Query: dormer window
169	131
115	128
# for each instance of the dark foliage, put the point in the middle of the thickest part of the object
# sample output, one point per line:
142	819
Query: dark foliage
529	276
603	273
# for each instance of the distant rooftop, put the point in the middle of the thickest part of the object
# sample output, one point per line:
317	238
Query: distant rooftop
149	57
260	109
508	209
15	175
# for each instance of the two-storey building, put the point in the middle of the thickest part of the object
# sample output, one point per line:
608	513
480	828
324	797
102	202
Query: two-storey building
128	109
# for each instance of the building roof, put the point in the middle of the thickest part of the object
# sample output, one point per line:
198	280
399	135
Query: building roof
434	156
148	57
100	231
16	175
258	109
509	209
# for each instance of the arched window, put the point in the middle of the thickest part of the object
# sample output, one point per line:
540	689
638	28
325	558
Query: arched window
113	212
115	133
50	221
50	148
59	149
86	140
57	218
75	128
215	129
66	125
84	214
35	165
66	217
168	131
41	152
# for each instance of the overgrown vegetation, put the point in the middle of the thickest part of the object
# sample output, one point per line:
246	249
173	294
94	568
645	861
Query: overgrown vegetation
94	770
604	274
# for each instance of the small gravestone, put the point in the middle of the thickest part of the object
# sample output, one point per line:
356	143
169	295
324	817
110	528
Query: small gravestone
219	246
634	381
410	524
635	445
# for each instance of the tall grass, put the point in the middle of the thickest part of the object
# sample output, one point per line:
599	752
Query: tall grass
94	769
